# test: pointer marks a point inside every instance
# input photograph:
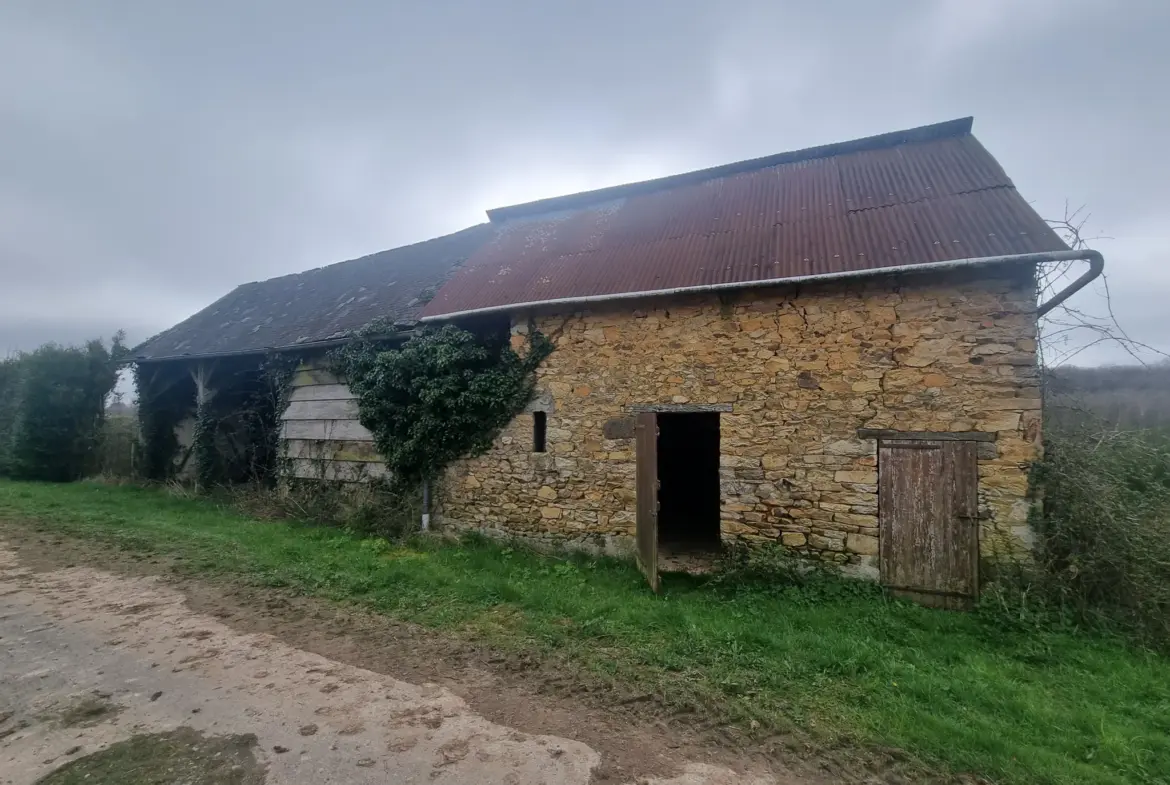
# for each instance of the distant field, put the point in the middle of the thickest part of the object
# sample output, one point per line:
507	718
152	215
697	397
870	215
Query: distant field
1129	396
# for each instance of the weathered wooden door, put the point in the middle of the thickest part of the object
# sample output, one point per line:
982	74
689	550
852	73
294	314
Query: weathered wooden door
928	518
646	433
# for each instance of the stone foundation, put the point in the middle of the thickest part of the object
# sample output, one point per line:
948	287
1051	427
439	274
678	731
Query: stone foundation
801	369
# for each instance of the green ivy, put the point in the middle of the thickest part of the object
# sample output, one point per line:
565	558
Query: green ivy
53	408
236	435
209	464
166	395
442	395
269	403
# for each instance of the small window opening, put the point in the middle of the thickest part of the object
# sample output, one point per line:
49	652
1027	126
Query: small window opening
539	426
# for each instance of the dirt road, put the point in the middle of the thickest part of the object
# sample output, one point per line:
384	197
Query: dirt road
100	672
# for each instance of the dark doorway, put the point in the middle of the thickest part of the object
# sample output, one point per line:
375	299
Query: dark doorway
688	476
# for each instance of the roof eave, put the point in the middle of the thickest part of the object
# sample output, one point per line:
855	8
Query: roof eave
1024	258
402	334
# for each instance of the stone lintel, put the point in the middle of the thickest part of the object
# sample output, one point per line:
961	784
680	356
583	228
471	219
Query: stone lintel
946	436
679	408
541	402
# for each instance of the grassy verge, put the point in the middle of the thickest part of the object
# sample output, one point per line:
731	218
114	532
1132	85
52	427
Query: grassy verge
181	755
962	692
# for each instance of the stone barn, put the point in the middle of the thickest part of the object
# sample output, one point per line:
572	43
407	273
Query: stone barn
832	349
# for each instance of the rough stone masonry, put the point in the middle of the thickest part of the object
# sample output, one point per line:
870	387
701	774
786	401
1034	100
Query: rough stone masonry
802	368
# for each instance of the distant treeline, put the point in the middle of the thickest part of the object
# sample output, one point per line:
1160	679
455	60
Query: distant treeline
1131	396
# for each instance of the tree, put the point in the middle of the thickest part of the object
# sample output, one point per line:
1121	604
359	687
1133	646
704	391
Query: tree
56	398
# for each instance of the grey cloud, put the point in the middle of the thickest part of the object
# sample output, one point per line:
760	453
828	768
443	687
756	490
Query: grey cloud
155	156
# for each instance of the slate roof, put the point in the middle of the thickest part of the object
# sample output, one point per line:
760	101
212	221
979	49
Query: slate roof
929	194
323	304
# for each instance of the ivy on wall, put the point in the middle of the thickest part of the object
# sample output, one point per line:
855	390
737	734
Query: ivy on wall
236	429
166	396
271	401
442	395
209	463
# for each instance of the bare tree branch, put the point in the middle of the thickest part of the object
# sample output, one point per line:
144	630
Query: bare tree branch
1065	324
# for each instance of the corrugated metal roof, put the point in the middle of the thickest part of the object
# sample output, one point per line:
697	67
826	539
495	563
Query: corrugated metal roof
930	194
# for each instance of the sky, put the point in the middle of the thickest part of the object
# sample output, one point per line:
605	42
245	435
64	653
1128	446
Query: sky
155	155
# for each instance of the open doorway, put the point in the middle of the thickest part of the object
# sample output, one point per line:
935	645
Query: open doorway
688	476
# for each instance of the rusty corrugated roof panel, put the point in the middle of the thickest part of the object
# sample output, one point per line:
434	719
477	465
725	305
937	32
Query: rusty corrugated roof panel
931	194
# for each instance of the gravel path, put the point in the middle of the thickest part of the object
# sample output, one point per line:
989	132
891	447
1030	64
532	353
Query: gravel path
89	659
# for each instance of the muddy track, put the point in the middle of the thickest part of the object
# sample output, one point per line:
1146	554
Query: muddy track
628	733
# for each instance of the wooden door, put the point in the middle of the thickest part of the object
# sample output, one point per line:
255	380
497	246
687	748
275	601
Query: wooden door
646	433
928	518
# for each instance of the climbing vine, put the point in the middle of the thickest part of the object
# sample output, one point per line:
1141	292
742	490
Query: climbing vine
209	464
269	403
236	438
236	430
442	395
166	396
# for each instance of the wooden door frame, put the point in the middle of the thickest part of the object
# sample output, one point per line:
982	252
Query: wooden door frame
646	482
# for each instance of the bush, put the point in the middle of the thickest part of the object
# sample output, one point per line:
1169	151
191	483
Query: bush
54	409
9	379
1104	550
363	508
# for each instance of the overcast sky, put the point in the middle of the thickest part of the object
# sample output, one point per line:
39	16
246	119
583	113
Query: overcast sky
154	155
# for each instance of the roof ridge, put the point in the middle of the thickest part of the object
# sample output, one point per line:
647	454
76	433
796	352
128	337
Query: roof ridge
848	212
924	133
930	198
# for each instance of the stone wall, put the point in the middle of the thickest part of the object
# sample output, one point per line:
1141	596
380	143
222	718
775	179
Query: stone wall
802	368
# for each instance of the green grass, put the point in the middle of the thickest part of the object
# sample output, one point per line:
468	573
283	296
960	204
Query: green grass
181	755
961	692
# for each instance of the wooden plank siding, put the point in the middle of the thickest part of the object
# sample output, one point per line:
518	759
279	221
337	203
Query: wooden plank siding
320	431
326	430
322	410
305	377
344	471
322	392
331	449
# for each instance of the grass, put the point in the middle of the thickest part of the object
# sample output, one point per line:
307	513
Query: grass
89	710
181	755
833	659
